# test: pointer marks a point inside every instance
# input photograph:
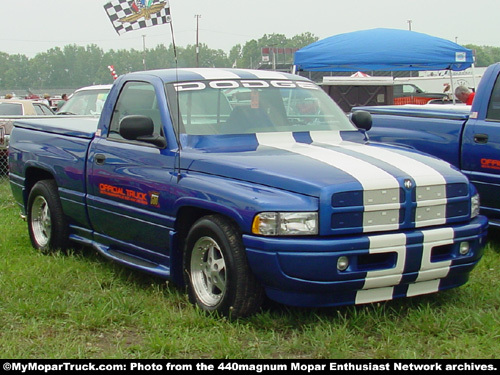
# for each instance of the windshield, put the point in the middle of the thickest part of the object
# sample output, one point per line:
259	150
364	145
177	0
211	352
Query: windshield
85	102
253	106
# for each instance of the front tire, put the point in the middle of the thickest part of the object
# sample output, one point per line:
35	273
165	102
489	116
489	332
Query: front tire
47	224
216	270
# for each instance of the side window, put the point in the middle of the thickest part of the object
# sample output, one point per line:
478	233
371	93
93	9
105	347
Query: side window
398	90
409	89
494	104
136	98
38	109
11	109
42	109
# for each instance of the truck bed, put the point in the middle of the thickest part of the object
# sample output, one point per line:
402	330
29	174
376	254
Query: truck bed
59	145
81	127
443	111
434	129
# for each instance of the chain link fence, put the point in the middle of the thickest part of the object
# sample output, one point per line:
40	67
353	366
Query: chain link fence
5	129
4	166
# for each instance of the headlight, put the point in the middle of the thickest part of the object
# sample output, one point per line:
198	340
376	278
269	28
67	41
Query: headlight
474	206
285	223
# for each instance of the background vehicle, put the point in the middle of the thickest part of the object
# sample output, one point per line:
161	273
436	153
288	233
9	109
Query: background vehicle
86	101
10	110
349	92
237	183
465	136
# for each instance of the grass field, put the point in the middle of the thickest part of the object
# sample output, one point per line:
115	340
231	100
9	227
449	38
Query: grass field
79	305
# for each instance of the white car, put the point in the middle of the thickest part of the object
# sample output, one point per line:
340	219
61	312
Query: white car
86	101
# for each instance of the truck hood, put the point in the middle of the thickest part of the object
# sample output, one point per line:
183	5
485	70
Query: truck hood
307	163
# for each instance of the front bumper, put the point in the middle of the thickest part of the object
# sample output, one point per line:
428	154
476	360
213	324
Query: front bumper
303	271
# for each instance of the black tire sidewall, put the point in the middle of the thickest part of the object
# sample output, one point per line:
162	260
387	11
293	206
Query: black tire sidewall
59	228
232	250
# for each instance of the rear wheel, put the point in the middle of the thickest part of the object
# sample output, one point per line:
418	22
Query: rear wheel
47	224
216	270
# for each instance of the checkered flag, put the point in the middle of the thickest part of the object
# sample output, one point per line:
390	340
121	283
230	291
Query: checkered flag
127	15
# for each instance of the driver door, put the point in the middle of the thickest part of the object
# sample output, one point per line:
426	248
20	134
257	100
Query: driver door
130	181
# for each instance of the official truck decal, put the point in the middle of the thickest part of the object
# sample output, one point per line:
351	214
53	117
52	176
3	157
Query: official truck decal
125	194
490	163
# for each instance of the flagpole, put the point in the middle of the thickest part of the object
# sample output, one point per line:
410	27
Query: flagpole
173	43
177	133
125	16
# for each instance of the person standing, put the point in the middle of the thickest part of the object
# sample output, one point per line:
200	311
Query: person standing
464	95
46	99
61	102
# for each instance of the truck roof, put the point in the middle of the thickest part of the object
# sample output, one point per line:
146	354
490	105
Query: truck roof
189	74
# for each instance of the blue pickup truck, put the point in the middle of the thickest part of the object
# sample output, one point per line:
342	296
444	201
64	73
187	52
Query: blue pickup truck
466	136
239	184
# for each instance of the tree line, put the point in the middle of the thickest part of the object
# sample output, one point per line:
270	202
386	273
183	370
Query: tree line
74	66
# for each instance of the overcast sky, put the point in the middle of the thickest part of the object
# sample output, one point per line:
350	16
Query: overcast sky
32	26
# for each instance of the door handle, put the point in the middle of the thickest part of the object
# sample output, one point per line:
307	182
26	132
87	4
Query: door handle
100	159
481	138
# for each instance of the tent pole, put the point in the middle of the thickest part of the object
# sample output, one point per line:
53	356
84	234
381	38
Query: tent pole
452	88
474	77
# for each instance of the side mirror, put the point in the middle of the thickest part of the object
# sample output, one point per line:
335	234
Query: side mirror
362	119
141	128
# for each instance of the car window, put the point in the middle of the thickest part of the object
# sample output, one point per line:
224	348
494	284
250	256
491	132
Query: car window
136	98
85	102
494	104
11	109
251	106
42	109
409	89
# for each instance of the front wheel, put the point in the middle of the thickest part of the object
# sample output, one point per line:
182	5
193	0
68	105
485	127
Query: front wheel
216	270
47	224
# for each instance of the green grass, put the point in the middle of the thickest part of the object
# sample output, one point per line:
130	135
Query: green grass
79	305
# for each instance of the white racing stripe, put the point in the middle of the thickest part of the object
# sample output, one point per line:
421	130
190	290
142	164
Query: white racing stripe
374	295
421	173
391	243
425	287
212	73
379	284
431	185
226	74
266	74
369	176
435	270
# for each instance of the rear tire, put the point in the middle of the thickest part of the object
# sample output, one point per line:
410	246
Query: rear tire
216	270
47	225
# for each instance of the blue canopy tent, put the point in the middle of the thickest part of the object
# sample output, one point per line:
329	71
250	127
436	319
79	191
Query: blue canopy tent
382	49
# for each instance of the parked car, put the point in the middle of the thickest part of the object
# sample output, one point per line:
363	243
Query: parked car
23	107
10	110
349	92
408	93
86	101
